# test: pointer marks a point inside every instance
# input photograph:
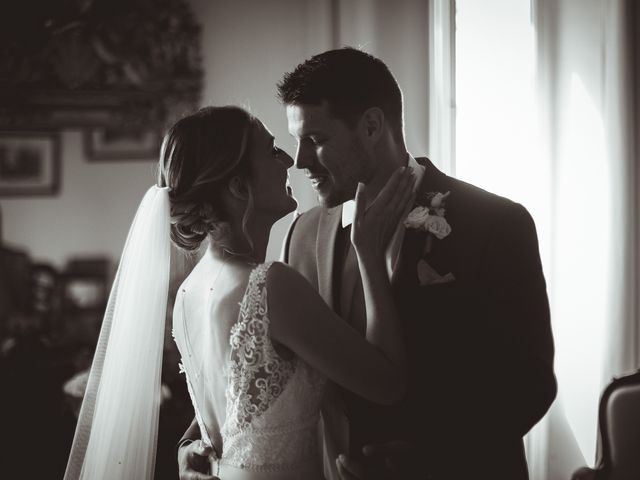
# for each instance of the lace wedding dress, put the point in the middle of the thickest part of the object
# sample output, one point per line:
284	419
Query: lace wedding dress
257	409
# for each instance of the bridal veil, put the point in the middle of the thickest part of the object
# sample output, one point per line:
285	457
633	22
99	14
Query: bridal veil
116	433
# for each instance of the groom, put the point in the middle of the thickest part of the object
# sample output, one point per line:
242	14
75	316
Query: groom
467	279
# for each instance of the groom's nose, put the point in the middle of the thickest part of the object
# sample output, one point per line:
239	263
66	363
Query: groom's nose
305	157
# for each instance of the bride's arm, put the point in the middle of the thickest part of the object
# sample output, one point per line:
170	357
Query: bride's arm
373	227
373	367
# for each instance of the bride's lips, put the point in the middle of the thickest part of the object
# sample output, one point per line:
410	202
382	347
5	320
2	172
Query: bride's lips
287	186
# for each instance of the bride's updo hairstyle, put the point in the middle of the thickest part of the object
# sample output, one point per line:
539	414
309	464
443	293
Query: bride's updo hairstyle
200	154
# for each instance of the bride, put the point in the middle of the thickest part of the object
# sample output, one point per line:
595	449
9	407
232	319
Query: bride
257	342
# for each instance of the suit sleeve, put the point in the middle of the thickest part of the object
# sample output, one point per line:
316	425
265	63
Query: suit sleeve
521	385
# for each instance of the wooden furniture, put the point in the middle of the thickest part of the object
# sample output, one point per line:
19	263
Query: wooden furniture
619	419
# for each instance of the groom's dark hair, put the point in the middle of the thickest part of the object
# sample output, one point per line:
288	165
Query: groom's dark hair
350	81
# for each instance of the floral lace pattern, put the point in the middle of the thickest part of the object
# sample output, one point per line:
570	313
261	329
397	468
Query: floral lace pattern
272	403
257	374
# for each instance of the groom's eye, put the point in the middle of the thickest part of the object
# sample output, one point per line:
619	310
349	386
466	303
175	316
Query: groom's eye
317	141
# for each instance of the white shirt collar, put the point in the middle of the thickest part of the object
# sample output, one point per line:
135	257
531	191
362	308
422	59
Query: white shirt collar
349	207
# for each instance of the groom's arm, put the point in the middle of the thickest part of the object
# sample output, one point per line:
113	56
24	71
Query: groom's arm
520	383
193	457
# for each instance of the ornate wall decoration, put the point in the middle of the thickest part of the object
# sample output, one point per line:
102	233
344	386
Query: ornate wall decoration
103	63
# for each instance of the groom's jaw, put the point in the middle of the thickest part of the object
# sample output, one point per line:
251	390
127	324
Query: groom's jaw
324	188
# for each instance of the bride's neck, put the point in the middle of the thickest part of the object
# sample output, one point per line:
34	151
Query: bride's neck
249	247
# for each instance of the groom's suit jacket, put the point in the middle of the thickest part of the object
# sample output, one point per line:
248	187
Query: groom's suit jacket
478	333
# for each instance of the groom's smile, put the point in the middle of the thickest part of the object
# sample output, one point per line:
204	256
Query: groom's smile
317	180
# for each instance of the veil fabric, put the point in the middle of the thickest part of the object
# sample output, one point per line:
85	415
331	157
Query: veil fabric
116	433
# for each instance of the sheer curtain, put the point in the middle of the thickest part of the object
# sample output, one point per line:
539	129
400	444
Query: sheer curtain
544	116
442	84
584	54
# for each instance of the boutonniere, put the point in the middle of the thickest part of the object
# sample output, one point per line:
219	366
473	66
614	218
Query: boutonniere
428	216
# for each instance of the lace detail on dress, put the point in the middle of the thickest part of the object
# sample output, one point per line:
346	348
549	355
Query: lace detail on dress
273	404
257	374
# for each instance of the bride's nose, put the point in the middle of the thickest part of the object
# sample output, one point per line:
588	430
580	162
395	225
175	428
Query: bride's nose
286	160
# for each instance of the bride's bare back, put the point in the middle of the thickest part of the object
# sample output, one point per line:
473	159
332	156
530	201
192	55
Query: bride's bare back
207	306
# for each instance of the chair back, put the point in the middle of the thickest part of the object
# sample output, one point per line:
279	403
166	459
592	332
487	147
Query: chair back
620	428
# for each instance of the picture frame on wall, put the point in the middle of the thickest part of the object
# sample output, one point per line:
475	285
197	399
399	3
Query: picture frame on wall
106	144
29	163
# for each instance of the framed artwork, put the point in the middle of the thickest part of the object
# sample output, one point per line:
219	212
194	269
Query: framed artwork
104	144
29	163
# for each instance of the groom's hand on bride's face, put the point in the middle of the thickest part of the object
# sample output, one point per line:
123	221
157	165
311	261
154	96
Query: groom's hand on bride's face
193	462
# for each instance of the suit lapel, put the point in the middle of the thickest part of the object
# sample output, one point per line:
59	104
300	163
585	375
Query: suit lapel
433	179
325	251
413	243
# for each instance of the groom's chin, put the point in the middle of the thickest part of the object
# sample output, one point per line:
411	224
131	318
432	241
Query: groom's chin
331	201
327	202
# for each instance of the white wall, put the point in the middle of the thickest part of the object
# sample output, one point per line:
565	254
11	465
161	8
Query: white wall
90	215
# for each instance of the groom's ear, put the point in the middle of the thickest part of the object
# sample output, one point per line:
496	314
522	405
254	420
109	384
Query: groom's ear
371	125
238	188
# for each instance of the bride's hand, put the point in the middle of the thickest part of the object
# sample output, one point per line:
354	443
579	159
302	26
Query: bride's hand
374	225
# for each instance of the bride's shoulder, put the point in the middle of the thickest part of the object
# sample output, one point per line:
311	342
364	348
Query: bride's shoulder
195	271
187	283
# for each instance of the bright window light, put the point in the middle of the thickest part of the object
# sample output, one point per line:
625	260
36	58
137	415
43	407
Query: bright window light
497	144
